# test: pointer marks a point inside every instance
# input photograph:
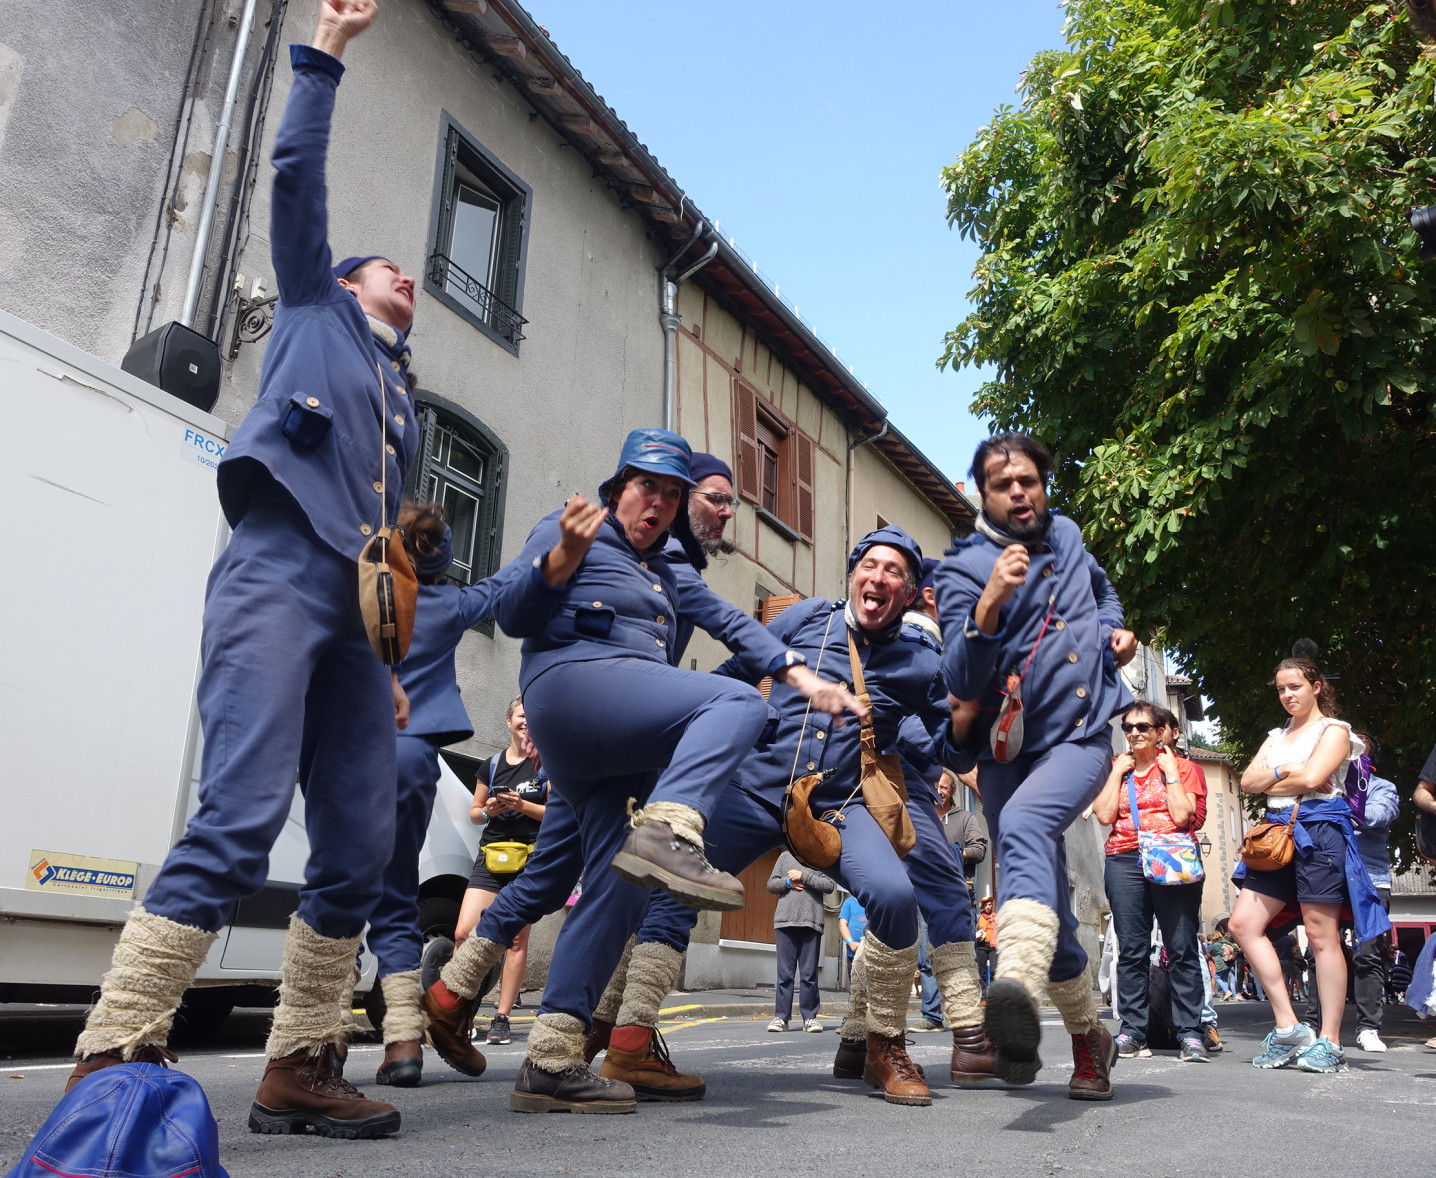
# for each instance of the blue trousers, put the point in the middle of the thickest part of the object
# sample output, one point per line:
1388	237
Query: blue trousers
605	729
891	890
394	936
1177	908
797	955
547	881
931	994
1029	804
289	687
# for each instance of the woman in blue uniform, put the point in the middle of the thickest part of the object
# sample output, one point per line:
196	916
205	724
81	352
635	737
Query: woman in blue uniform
597	607
289	686
436	718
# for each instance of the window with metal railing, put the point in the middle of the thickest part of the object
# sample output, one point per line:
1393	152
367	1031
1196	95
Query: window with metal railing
477	237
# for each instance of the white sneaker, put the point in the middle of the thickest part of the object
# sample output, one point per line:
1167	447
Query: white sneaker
812	1026
1369	1040
778	1024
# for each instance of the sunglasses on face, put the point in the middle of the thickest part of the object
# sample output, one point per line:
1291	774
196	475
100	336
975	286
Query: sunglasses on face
1139	726
717	499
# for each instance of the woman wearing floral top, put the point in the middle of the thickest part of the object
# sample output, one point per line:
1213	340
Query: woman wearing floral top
1305	761
1171	797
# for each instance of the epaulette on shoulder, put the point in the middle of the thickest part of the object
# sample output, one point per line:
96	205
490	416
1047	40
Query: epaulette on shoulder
914	633
971	540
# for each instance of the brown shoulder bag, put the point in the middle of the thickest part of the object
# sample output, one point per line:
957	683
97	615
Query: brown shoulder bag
388	588
884	793
1270	846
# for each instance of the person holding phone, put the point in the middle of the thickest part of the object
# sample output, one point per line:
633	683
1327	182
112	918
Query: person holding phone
509	801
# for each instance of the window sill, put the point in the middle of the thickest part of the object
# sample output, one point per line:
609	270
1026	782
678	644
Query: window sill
778	525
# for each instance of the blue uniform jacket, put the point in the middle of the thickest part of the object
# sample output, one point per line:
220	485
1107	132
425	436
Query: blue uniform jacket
618	603
1072	686
442	614
1382	806
901	670
323	365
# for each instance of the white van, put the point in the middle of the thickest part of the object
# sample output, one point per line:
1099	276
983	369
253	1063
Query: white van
113	524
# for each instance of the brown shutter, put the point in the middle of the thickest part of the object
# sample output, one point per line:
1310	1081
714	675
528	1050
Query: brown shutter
746	402
770	609
804	513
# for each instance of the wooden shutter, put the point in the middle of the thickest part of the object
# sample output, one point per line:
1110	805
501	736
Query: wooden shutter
770	609
804	490
745	402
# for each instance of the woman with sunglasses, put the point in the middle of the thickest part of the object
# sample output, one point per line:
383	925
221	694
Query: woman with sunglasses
1171	796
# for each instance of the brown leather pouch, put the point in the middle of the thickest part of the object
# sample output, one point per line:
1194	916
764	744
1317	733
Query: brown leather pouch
388	590
1270	846
815	842
388	587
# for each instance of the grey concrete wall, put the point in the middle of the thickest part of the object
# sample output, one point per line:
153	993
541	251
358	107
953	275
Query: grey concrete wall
590	367
90	95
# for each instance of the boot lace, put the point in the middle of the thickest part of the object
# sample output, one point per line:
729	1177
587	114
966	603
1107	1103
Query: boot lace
679	844
1084	1057
658	1052
326	1078
901	1061
154	1053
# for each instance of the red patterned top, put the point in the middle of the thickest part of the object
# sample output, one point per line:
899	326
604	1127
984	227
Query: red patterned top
1152	802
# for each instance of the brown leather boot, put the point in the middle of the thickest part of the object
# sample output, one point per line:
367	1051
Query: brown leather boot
306	1091
1014	1026
649	1069
403	1065
596	1041
1093	1055
90	1064
972	1053
450	1028
848	1063
888	1067
654	857
580	1091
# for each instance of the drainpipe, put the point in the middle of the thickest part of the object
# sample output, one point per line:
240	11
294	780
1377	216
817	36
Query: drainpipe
669	319
848	492
216	168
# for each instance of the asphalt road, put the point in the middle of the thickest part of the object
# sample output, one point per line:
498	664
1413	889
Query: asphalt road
774	1108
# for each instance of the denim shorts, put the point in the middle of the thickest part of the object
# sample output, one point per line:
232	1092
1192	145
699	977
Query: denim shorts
1318	879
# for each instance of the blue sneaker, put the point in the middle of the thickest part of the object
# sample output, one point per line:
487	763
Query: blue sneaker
1322	1056
1279	1050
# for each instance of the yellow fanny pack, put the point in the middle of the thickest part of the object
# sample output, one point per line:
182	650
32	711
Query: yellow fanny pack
506	858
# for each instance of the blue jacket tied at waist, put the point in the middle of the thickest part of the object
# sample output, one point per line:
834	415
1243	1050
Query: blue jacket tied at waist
1368	915
316	426
1062	618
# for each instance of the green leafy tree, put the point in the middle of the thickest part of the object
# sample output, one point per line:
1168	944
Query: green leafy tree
1199	285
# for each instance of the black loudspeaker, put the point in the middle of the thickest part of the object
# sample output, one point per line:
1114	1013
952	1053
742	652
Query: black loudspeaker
179	360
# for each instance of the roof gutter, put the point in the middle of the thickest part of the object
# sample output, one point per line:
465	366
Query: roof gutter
669	319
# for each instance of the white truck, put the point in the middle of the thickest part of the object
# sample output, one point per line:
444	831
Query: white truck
114	524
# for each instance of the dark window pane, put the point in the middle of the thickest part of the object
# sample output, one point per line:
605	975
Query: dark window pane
464	460
463	509
474	240
769	478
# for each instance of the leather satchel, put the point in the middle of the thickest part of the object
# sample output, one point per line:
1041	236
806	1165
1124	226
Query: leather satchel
815	842
388	588
884	793
1270	846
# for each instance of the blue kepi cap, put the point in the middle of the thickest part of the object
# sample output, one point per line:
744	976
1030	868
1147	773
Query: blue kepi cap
658	450
893	537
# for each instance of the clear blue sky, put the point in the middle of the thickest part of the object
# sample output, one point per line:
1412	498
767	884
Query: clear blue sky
814	134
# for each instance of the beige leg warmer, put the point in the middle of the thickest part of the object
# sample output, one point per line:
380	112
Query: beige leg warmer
651	976
855	1022
889	985
404	1020
954	968
470	964
152	967
347	1017
683	820
314	983
1027	939
612	997
1076	1002
556	1043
